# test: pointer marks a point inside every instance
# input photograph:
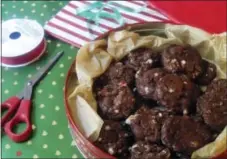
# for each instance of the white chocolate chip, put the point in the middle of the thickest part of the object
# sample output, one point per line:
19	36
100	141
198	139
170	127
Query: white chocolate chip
160	114
211	69
185	111
116	111
100	139
156	74
111	151
183	62
171	90
107	127
134	89
173	60
163	152
149	61
137	74
134	146
128	121
130	118
146	89
185	82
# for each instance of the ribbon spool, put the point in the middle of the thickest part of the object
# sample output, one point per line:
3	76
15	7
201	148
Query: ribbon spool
23	42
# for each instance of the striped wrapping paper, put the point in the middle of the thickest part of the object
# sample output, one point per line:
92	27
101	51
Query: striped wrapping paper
77	31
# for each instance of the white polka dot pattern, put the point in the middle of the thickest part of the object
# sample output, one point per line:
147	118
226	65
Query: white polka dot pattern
51	137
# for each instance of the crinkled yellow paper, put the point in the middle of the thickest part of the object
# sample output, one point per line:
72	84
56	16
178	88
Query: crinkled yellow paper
95	57
214	148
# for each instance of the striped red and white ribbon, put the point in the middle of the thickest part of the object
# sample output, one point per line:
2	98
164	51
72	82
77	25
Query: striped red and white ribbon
76	30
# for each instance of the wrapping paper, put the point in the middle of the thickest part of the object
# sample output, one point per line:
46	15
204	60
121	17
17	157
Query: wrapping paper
95	57
76	30
216	147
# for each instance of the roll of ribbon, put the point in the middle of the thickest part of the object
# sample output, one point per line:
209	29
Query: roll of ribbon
22	42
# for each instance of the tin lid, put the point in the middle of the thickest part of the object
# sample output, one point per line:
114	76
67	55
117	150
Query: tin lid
20	36
209	16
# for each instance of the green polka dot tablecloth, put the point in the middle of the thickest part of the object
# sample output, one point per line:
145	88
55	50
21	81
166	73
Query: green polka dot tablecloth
51	137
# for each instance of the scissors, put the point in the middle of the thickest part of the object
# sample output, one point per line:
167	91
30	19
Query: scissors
19	107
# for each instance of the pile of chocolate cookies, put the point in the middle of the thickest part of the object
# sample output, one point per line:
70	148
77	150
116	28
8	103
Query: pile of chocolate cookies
153	107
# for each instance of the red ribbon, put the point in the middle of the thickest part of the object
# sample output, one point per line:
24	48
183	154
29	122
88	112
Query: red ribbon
26	58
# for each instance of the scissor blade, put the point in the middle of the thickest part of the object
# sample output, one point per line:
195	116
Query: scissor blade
45	69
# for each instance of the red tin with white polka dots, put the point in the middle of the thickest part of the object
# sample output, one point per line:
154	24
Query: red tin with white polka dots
22	42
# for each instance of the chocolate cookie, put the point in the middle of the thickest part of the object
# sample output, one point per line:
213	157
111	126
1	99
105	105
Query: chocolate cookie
125	155
143	57
209	73
145	150
100	82
184	135
113	139
182	59
181	156
213	105
177	93
118	72
115	101
146	123
146	82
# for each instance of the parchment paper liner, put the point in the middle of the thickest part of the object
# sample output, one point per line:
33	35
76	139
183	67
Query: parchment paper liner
94	58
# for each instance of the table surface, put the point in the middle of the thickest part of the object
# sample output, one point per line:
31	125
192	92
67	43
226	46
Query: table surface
51	137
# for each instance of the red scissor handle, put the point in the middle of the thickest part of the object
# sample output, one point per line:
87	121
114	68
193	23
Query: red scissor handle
11	105
22	116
